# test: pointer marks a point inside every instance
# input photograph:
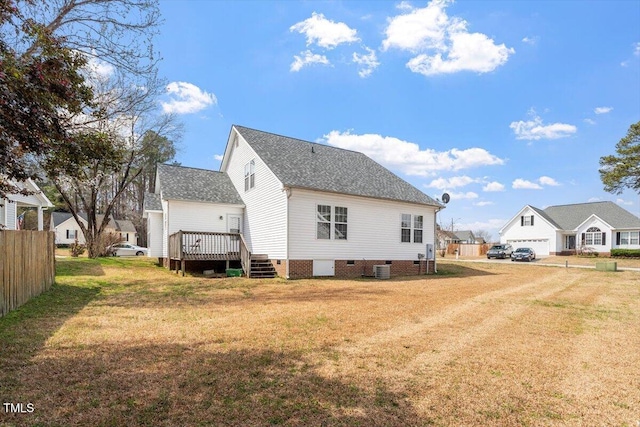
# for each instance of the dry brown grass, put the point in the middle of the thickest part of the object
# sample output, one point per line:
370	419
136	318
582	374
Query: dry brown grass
122	342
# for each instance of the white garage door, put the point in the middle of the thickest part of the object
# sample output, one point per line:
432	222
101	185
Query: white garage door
540	246
323	267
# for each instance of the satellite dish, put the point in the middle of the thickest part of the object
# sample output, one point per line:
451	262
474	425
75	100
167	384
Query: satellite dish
445	198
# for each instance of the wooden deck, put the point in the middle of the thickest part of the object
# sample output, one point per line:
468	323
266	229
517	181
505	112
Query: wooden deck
209	246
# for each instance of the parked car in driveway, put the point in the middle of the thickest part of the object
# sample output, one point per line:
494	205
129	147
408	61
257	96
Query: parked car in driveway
500	251
127	249
523	254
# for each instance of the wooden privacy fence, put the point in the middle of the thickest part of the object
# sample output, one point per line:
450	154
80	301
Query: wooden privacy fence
27	266
467	249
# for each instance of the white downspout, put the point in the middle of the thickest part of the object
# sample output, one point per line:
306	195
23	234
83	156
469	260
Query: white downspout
435	238
287	191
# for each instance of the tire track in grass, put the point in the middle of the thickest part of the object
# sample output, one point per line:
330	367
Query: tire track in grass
449	314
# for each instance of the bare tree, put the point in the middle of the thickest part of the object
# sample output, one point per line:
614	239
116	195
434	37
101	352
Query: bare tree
484	234
101	155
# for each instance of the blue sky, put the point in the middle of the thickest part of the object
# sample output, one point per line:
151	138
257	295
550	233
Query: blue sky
498	103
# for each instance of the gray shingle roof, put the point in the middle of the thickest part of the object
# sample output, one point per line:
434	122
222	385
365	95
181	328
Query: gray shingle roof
60	217
152	202
118	225
545	216
125	225
298	163
183	183
568	217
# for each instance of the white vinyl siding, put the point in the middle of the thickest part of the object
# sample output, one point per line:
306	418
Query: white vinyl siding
195	216
372	228
154	234
540	231
10	212
265	214
65	232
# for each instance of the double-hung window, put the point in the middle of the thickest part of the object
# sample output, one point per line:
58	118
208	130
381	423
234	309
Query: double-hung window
411	226
526	220
340	223
417	229
326	222
250	175
405	228
594	236
323	220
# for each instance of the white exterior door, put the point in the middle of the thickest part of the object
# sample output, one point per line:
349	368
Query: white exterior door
324	267
233	223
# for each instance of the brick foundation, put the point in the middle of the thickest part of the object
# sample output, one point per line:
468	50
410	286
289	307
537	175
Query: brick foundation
299	269
281	268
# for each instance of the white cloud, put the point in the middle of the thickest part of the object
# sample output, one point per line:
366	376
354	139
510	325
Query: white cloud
535	129
99	68
324	32
307	58
530	40
602	110
594	199
461	196
408	157
546	180
442	44
590	121
523	184
187	98
491	225
368	62
636	49
483	203
624	202
493	186
453	182
218	157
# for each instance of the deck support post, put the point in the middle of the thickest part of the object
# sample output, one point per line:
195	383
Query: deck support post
182	263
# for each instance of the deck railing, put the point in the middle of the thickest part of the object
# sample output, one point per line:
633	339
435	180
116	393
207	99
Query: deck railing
245	257
209	246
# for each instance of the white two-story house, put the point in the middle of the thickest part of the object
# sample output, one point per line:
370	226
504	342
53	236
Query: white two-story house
310	209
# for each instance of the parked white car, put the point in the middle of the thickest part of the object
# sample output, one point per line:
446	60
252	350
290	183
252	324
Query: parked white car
127	249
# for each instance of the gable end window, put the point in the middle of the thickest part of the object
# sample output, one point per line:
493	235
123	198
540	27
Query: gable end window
325	222
526	221
411	225
594	236
250	175
72	234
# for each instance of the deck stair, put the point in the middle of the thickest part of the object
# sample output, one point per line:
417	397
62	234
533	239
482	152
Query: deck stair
261	267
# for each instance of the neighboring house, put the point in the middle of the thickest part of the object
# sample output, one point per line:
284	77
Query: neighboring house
564	229
311	209
445	238
9	206
67	229
465	236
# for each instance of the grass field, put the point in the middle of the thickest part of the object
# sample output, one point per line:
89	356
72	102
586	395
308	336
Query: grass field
124	342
